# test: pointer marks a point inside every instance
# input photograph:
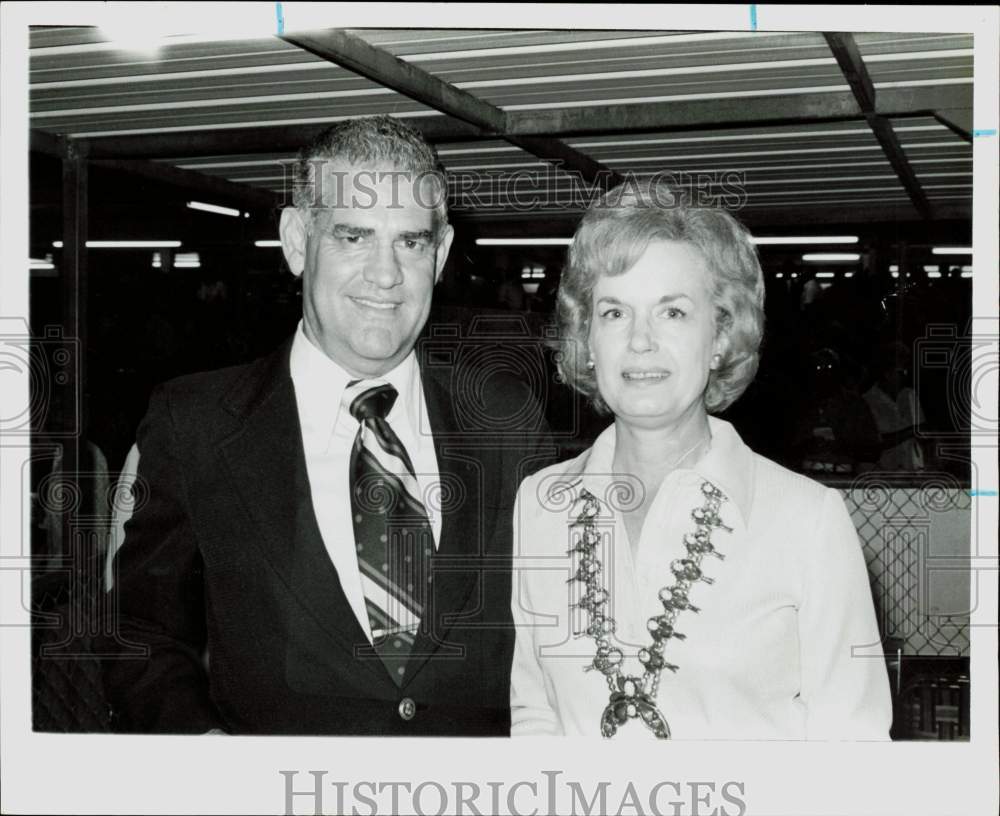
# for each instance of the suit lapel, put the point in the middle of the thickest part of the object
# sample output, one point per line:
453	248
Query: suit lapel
463	528
266	461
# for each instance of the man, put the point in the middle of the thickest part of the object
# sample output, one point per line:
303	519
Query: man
325	548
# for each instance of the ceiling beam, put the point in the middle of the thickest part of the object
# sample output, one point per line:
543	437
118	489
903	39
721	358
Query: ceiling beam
49	144
845	51
219	190
702	114
713	114
258	139
844	218
957	129
352	52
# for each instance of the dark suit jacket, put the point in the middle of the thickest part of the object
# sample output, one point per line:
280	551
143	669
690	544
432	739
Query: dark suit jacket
224	552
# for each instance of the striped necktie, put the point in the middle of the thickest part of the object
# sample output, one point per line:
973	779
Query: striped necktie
391	529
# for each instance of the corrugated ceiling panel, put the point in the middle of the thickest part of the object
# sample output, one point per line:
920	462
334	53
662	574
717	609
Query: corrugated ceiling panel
941	160
81	85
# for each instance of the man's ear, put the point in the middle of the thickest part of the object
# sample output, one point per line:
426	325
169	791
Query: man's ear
293	234
443	247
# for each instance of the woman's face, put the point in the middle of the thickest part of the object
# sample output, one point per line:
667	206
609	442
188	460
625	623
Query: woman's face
652	336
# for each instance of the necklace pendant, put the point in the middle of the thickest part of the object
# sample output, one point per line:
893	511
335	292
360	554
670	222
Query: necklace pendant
630	704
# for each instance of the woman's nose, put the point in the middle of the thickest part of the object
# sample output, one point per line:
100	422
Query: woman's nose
641	337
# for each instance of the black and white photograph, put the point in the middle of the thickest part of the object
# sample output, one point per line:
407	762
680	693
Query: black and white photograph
509	409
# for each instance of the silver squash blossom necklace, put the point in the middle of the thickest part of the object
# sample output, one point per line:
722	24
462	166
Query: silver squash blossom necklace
634	697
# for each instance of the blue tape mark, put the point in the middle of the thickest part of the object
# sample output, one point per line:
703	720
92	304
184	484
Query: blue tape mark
990	132
281	18
753	16
982	493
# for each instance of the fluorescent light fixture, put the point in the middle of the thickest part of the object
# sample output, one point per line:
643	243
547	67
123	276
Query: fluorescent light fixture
267	243
933	274
182	260
967	269
524	241
820	257
780	275
848	274
966	273
952	251
37	264
931	268
794	274
187	260
125	244
894	268
213	208
791	240
824	274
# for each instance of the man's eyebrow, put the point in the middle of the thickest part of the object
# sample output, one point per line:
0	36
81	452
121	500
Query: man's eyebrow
426	234
349	229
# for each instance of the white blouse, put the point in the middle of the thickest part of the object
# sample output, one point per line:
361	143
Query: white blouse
769	653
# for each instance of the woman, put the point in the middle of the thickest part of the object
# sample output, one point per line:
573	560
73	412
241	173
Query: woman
669	581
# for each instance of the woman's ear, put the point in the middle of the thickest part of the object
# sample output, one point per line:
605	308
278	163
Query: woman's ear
293	232
720	349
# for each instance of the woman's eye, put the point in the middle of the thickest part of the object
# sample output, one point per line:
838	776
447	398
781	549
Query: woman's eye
611	314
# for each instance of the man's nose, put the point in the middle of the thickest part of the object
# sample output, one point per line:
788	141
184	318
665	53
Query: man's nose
382	269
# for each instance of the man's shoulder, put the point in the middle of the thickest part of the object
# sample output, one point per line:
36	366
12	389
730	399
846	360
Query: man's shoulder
205	383
233	383
485	399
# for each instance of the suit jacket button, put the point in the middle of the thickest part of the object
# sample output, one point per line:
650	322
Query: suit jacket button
407	708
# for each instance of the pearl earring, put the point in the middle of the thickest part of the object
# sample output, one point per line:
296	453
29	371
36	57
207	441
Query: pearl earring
590	363
716	359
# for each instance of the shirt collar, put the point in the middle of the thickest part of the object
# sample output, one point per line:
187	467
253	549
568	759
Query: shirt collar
320	383
728	465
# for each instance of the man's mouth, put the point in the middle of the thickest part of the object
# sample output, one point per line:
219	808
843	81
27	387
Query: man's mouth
381	305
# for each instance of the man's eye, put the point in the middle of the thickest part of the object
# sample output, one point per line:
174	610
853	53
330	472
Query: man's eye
414	244
674	312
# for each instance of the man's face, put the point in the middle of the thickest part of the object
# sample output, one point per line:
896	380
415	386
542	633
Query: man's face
370	260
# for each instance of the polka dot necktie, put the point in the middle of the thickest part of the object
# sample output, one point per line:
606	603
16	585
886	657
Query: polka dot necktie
391	529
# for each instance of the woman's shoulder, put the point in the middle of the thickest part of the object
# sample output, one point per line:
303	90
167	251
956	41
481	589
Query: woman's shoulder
560	476
774	482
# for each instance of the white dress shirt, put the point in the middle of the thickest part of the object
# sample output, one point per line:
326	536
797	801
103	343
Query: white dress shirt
328	433
769	654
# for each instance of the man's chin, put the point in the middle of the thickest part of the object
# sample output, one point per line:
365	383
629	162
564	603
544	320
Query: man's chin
375	360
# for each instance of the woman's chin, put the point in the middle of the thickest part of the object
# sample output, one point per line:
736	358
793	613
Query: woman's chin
646	413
